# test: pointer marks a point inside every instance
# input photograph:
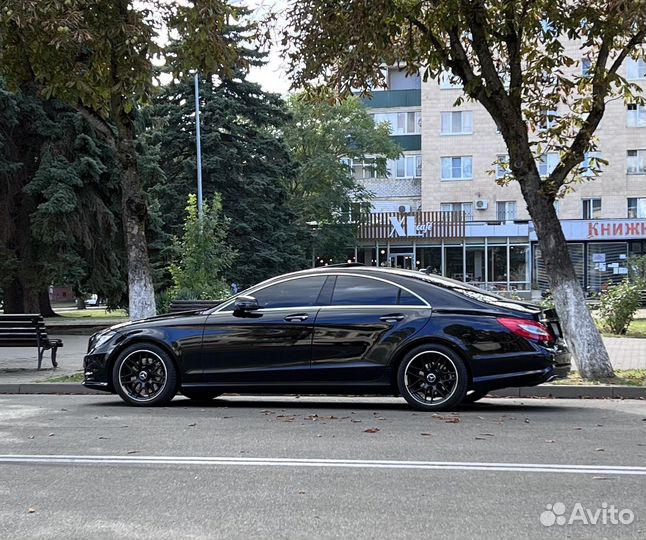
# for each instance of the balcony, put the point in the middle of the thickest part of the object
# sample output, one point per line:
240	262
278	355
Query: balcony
384	99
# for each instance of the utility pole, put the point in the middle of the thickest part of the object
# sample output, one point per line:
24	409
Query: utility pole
198	144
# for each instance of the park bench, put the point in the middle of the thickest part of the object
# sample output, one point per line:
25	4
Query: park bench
28	331
177	306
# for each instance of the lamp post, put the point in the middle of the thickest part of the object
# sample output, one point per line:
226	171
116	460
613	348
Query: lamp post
198	144
314	227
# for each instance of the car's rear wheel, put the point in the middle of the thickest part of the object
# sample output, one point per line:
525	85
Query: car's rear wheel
474	396
145	375
432	378
201	395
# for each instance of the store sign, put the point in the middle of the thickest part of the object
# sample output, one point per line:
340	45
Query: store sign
616	229
611	229
393	225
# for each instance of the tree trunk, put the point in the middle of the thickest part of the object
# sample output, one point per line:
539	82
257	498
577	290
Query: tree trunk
141	293
80	302
45	305
581	332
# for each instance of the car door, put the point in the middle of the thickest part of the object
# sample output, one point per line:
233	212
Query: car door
268	346
367	319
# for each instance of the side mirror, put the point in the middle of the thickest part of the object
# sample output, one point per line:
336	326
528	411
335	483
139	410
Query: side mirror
245	303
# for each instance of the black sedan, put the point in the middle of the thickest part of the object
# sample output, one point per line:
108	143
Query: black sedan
343	329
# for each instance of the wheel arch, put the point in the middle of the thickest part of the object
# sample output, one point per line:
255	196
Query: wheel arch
137	341
401	353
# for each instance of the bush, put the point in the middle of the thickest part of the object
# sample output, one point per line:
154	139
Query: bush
618	306
202	254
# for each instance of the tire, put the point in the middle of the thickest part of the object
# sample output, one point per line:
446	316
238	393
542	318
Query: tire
144	375
474	396
432	369
200	395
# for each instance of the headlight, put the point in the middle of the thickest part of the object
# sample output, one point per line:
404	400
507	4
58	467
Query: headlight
100	339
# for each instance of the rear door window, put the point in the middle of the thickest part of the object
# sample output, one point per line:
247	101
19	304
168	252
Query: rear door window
360	291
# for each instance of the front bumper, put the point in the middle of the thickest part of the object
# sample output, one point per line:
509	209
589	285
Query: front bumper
95	370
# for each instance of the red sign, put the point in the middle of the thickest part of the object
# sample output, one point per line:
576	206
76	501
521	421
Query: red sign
617	229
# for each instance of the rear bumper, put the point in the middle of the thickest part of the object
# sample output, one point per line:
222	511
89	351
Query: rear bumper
552	364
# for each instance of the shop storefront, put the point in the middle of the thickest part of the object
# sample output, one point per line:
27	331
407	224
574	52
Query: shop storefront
493	257
599	249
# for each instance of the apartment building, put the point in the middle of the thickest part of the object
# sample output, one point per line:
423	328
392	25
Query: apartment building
450	166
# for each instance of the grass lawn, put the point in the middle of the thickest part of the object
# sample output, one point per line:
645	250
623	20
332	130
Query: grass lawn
637	329
94	314
76	377
623	377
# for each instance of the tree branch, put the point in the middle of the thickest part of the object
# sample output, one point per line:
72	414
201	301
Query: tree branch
600	88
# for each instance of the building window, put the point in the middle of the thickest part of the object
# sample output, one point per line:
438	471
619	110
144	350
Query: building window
547	163
636	162
466	207
449	81
637	207
506	210
362	168
457	168
636	115
590	165
398	79
502	165
636	69
548	120
591	208
402	123
586	66
457	123
406	167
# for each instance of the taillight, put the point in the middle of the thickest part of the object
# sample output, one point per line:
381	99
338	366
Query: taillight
532	330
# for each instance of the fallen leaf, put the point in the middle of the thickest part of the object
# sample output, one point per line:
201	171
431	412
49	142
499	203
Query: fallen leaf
355	421
371	430
599	449
30	437
50	435
481	438
527	420
578	428
31	510
603	478
104	438
133	451
486	434
549	440
192	425
453	420
301	493
425	434
313	417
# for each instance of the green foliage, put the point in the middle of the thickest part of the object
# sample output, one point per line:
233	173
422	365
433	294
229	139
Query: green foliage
244	159
619	305
203	255
320	135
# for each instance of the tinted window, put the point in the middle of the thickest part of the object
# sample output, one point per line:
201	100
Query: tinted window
296	292
360	291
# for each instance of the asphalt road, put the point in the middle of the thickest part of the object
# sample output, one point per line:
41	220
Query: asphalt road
320	468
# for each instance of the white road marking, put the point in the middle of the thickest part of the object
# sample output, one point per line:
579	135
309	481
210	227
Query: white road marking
344	463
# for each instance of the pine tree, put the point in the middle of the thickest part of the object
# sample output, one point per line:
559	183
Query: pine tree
244	160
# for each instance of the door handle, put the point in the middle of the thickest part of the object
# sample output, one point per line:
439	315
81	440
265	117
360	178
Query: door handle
395	317
300	317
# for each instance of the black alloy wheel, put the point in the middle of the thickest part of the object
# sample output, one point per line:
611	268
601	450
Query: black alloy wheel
432	378
144	375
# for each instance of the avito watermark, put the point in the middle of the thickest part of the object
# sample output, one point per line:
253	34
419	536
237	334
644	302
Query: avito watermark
607	514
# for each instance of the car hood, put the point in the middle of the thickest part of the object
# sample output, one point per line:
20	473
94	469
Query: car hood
152	321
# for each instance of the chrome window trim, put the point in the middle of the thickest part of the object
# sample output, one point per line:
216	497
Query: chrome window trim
222	308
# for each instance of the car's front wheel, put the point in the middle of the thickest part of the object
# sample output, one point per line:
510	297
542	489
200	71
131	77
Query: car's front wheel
432	378
145	375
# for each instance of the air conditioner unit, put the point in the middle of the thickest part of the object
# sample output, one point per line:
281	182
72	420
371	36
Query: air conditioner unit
482	204
404	208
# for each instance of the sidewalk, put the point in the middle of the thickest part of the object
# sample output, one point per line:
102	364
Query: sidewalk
18	366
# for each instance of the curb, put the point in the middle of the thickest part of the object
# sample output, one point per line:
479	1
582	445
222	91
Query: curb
554	391
573	391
